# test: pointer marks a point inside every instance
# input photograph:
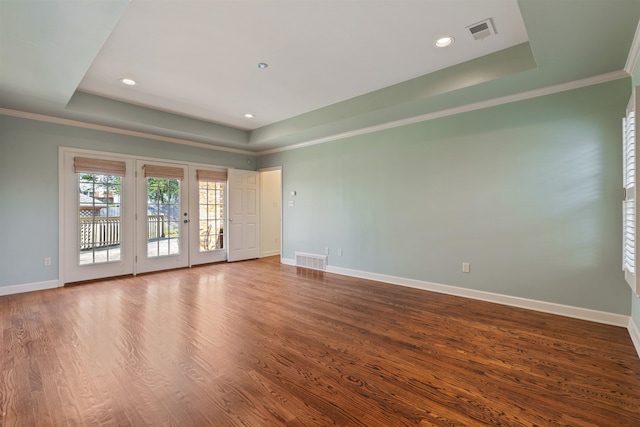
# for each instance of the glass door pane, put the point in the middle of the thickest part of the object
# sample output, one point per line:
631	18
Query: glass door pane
99	224
163	217
211	215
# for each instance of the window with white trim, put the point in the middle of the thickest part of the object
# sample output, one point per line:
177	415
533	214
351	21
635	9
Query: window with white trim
629	208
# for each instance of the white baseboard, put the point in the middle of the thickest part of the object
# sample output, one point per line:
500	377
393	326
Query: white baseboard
635	335
28	287
270	253
546	307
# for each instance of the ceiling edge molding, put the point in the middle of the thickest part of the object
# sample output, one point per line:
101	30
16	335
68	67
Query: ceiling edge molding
563	87
110	129
634	53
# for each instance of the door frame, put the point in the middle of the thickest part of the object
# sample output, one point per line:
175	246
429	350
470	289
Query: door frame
280	199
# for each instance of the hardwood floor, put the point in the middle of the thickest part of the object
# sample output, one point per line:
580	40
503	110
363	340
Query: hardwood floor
262	344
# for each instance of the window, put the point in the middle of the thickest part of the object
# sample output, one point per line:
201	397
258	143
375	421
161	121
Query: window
211	188
629	209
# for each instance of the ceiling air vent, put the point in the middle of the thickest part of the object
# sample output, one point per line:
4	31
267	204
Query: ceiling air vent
482	29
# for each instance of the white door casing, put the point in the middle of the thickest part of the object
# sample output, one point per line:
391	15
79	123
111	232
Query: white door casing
243	215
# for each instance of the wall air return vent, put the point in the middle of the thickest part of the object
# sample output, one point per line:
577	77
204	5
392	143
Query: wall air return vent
482	30
312	261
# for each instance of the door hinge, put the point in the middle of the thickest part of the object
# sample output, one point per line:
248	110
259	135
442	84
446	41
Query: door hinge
624	193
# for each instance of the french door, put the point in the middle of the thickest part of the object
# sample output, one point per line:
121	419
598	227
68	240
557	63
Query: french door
127	216
162	216
208	206
98	196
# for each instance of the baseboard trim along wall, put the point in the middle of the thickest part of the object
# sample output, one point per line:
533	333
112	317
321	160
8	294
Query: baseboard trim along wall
546	307
29	287
270	253
635	335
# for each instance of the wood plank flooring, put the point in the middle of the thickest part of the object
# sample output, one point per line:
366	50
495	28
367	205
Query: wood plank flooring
257	343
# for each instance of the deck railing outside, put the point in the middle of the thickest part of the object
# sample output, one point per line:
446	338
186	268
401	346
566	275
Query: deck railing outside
98	232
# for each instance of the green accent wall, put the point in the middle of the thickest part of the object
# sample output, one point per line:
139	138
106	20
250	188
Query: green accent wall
29	186
528	193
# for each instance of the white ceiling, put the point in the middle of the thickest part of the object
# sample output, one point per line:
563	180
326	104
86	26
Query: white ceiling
199	58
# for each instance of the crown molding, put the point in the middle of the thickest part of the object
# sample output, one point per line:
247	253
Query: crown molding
563	87
111	129
634	53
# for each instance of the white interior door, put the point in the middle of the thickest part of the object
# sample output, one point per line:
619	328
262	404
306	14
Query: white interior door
243	214
162	216
97	196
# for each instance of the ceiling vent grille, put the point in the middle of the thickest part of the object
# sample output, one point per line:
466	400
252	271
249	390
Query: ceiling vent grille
482	30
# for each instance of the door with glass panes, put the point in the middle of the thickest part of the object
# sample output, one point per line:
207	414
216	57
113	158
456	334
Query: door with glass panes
125	216
162	216
207	199
98	222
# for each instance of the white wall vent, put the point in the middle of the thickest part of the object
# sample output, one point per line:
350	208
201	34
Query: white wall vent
312	261
482	30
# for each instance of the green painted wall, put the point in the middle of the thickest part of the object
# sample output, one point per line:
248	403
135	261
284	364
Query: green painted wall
528	193
29	187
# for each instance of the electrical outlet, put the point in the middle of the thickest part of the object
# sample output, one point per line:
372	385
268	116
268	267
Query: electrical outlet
47	262
326	251
465	267
339	252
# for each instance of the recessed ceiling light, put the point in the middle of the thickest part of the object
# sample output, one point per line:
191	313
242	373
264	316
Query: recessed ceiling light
128	82
262	65
444	41
249	116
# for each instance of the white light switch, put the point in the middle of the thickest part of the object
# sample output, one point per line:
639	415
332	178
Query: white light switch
465	267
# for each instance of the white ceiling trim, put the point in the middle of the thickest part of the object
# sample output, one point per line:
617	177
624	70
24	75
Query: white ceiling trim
563	87
111	129
634	53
